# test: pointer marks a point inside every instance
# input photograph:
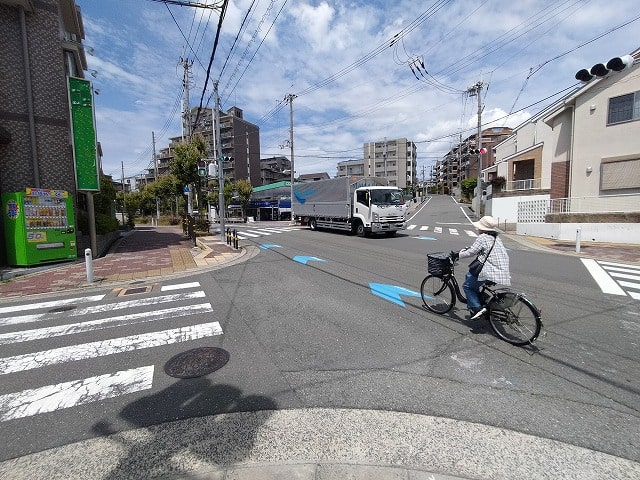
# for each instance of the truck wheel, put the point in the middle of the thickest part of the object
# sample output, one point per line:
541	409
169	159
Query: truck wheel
360	231
312	224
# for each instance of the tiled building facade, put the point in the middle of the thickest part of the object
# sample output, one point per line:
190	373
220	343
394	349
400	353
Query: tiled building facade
40	46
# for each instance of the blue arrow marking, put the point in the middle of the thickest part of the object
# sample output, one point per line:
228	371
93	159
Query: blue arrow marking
266	246
391	292
425	238
303	260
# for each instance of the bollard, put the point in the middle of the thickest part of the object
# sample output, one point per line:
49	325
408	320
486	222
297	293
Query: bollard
578	232
88	260
235	238
228	235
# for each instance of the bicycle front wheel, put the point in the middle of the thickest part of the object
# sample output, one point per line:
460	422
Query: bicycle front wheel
514	319
437	294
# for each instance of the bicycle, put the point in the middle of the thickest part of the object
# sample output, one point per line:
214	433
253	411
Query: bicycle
512	316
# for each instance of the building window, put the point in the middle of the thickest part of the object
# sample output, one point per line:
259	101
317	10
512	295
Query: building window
624	108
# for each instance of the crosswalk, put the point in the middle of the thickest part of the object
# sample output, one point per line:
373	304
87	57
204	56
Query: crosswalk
441	230
615	278
245	233
49	321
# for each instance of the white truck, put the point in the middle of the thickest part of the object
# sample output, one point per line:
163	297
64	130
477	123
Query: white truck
361	205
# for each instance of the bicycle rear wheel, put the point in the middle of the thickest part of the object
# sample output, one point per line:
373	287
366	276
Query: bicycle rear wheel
437	294
513	318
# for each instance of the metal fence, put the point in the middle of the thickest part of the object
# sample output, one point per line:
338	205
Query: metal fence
601	204
534	211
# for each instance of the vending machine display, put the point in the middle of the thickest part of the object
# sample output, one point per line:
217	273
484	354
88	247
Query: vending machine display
39	226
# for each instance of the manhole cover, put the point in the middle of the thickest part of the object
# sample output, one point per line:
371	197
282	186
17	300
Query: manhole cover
196	362
66	308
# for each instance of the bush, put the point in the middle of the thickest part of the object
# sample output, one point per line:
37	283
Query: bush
105	224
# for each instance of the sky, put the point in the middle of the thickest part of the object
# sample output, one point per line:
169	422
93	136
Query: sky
360	70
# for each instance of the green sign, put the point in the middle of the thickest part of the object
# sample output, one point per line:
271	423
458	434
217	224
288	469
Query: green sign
84	135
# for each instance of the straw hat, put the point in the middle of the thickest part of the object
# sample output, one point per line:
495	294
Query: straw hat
486	224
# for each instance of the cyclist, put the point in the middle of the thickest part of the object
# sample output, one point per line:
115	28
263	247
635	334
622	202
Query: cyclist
495	268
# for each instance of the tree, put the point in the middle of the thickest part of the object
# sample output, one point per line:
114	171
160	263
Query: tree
227	191
467	186
244	189
184	165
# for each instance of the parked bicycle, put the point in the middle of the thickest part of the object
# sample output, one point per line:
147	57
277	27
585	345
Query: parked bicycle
512	316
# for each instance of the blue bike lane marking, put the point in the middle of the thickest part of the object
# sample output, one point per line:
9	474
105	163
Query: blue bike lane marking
387	292
391	292
305	259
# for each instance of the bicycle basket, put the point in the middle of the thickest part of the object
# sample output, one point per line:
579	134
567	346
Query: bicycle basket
438	263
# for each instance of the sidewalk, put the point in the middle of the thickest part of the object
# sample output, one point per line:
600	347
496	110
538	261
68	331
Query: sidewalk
143	253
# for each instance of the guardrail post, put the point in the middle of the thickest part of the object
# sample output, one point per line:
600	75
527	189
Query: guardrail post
578	234
88	260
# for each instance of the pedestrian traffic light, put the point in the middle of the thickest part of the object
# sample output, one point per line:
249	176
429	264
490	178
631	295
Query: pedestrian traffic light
213	169
202	168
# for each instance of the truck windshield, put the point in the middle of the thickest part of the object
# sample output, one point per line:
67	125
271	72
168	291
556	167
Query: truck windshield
386	197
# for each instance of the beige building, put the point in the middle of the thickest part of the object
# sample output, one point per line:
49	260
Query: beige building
581	155
395	160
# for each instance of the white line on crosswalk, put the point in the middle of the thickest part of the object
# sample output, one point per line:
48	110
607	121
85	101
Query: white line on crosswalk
180	286
131	319
623	275
78	392
424	227
241	235
257	232
602	278
54	303
411	227
140	302
30	361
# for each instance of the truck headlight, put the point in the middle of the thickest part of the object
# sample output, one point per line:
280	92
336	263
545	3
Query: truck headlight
376	217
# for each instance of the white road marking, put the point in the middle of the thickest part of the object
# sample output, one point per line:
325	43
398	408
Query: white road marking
30	361
89	326
424	227
257	232
623	275
604	281
180	286
437	229
247	234
78	392
471	233
176	297
411	227
453	231
52	304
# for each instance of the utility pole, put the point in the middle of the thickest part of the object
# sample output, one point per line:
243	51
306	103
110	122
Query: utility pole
155	169
124	196
186	111
476	90
216	122
290	98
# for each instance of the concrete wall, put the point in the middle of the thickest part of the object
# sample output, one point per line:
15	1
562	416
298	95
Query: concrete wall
589	232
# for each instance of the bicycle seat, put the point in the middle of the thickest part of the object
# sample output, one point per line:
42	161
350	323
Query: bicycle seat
489	283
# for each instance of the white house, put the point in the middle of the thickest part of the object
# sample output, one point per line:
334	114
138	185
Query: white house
575	164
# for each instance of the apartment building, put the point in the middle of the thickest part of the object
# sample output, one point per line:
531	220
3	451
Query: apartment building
40	47
394	159
240	144
461	162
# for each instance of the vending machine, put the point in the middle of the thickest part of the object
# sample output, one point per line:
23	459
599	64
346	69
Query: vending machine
39	226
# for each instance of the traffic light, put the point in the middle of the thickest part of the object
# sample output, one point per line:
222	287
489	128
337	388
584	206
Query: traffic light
202	168
616	64
213	169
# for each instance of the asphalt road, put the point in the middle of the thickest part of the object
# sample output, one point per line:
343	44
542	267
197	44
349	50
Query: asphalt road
328	320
